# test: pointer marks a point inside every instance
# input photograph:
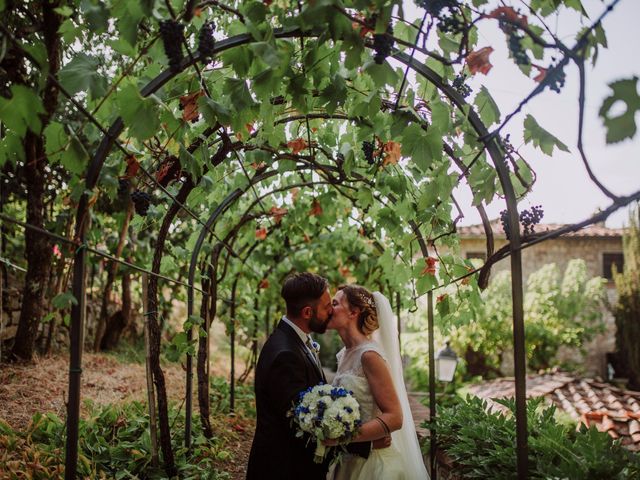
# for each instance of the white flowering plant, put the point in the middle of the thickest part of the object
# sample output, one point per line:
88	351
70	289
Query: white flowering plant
326	412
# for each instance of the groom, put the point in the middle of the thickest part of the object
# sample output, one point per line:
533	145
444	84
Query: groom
287	365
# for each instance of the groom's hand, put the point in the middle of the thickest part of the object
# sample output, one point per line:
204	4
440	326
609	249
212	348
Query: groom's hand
383	442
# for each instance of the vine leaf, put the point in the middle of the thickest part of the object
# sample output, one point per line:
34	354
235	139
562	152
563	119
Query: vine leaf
169	170
21	110
622	126
65	149
132	166
542	73
424	148
487	107
189	104
81	74
510	15
478	61
261	233
278	213
140	115
392	152
430	268
534	133
316	208
297	145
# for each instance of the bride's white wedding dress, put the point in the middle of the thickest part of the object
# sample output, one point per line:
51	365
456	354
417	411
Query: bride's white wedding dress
403	459
384	463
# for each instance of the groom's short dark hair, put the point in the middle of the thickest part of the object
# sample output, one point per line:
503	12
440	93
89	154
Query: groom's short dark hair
302	289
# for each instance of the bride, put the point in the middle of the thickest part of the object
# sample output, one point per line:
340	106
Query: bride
370	366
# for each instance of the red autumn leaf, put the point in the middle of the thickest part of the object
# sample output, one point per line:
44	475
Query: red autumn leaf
392	152
278	213
478	61
294	194
466	280
344	271
249	127
168	171
430	269
542	73
316	208
441	297
297	145
189	104
510	15
364	30
261	233
132	166
264	283
258	166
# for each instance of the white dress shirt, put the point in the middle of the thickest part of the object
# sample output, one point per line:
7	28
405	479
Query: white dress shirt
305	337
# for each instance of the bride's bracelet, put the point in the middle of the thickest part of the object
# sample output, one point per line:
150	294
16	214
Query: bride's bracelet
384	427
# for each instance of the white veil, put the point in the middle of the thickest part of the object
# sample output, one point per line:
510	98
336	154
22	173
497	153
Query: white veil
405	440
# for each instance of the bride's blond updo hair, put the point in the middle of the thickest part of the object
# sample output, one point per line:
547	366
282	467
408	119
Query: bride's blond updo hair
360	297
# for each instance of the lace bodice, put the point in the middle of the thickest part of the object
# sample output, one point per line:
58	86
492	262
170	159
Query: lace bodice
350	375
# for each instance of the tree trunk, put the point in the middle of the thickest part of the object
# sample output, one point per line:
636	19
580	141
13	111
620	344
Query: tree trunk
120	320
111	276
155	333
37	246
232	340
207	313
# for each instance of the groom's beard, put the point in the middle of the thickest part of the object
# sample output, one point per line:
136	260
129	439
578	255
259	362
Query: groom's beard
316	325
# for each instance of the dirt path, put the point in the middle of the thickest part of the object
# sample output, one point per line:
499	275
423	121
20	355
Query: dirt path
42	387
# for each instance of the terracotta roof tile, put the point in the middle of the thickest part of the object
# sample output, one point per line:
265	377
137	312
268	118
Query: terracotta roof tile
586	400
597	230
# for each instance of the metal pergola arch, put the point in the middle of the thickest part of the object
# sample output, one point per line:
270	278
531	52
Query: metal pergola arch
490	143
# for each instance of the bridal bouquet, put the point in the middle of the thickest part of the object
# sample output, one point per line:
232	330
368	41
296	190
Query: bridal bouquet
326	412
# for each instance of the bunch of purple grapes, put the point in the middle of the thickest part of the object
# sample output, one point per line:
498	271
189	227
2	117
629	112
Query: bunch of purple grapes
435	7
528	219
172	40
141	201
461	87
382	45
368	148
206	41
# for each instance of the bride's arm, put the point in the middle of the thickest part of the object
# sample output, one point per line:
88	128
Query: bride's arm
384	394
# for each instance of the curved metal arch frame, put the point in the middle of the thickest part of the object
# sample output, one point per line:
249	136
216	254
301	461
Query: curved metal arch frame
95	166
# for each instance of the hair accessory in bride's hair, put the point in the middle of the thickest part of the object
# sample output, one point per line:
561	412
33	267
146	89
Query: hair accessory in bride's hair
368	300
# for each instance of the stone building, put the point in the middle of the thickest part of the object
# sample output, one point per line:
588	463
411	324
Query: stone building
600	247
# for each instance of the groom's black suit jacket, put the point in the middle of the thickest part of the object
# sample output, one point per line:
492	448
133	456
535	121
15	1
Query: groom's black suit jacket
284	369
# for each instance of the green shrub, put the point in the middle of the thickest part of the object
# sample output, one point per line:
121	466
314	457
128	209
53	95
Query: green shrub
114	443
481	444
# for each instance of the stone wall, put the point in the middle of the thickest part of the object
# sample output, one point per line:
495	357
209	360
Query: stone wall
560	251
